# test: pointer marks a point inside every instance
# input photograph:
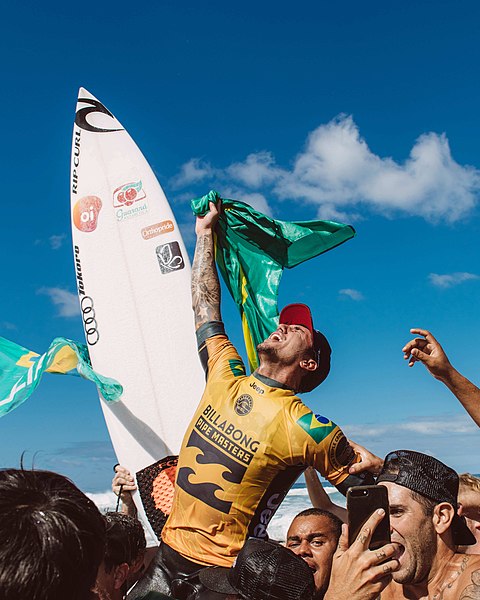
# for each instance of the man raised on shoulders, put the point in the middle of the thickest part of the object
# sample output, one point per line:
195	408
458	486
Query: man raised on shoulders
251	436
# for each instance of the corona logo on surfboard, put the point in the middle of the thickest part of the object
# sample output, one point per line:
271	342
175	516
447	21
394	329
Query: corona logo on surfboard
85	213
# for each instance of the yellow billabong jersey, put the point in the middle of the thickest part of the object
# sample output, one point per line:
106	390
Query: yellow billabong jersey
245	447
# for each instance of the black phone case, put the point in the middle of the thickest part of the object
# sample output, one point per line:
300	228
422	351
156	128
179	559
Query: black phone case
362	501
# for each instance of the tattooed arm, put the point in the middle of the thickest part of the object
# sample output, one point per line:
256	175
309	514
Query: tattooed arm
205	283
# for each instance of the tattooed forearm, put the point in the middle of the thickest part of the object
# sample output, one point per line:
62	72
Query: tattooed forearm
205	284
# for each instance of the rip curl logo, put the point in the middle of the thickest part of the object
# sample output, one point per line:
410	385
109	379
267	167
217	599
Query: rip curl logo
128	193
85	213
316	426
93	106
170	258
243	405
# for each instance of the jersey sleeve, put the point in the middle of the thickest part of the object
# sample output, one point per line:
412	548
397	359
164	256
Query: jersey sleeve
218	355
325	447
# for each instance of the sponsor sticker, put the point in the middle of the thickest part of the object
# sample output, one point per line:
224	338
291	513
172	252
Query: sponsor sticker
243	405
128	193
85	213
129	201
157	229
170	258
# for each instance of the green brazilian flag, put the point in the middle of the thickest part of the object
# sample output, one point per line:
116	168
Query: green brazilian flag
22	369
252	250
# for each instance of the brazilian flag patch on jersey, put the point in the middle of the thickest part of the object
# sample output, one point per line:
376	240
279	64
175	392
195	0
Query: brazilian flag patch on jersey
316	426
237	367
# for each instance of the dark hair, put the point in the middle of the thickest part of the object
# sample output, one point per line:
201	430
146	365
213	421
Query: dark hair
52	537
426	504
125	540
319	512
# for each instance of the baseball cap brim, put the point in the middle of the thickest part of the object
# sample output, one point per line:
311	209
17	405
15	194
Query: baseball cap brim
216	579
462	536
297	314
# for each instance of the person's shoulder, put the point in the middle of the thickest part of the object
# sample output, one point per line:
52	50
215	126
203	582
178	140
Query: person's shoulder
468	583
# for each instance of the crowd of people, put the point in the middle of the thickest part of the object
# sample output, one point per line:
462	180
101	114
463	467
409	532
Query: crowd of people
249	440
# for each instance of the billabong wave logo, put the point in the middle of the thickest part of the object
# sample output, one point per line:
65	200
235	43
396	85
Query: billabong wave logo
127	194
93	106
170	258
85	213
316	426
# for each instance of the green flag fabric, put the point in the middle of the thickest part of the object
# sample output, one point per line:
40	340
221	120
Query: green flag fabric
251	252
22	369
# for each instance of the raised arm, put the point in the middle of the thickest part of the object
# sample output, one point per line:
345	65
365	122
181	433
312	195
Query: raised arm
430	353
205	283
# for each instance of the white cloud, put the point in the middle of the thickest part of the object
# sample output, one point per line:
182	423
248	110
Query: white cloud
450	279
256	171
56	241
8	326
351	293
193	171
339	174
65	301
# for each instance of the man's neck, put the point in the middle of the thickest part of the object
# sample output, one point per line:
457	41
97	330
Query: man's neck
285	376
446	567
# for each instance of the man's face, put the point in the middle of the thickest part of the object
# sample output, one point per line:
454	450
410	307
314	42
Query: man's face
469	501
413	530
314	539
287	344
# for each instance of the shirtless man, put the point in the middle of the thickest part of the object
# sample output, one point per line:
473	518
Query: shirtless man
425	525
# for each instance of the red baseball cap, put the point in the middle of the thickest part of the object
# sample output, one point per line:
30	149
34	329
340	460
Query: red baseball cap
300	314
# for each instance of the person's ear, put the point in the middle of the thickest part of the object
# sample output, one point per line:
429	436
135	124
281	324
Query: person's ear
308	364
443	514
121	574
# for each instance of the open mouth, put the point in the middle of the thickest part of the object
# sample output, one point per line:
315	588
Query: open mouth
311	564
276	336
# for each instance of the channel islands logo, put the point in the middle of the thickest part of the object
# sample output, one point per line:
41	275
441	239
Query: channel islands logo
243	405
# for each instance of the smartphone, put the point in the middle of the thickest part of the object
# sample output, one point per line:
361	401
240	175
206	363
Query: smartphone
363	501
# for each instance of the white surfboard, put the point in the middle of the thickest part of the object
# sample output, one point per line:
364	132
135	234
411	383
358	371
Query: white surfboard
133	278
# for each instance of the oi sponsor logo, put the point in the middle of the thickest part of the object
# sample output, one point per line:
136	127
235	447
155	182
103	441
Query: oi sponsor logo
85	213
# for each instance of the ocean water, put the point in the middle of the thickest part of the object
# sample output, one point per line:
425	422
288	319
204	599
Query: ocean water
296	500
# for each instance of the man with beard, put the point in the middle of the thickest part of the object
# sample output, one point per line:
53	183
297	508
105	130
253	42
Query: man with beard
313	535
427	529
251	436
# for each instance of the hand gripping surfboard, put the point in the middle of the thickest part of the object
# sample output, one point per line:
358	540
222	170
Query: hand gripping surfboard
133	279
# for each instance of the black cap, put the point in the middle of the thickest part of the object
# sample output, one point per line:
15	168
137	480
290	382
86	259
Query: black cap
263	570
431	478
300	314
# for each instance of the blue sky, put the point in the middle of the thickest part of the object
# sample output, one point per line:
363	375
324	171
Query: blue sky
365	113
